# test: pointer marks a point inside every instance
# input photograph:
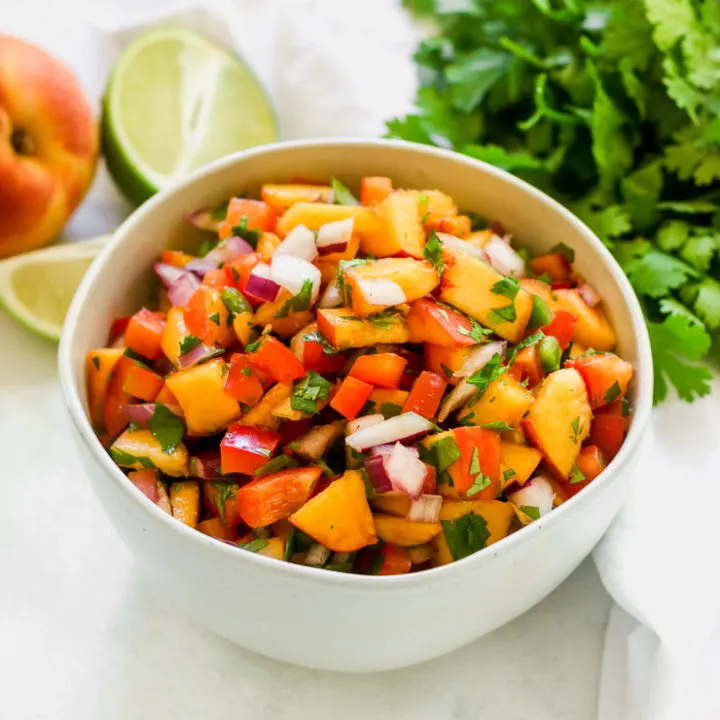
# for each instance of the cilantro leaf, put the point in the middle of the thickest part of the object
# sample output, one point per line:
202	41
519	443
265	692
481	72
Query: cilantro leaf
319	338
390	410
297	303
254	545
250	235
466	535
167	428
341	195
531	511
188	343
281	462
433	253
499	426
234	302
576	475
612	393
483	377
308	391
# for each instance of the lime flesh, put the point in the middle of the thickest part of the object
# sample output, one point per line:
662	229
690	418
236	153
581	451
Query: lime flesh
36	288
174	103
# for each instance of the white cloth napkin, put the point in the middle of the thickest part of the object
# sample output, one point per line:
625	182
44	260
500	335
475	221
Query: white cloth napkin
341	68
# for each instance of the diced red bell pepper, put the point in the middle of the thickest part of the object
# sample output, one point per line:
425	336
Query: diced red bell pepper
115	397
426	394
217	279
260	216
291	430
561	327
144	333
351	397
561	284
415	365
142	383
556	265
429	322
246	448
430	484
238	274
220	499
206	317
479	459
276	496
242	381
315	358
118	327
606	377
374	190
607	429
277	360
380	369
590	462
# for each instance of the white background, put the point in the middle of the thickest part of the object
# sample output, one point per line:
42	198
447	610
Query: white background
85	636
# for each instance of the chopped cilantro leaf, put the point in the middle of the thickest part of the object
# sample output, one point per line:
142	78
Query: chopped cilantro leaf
612	393
281	462
255	346
482	378
433	253
167	428
499	426
250	235
255	545
441	454
125	459
531	511
188	343
479	484
506	313
446	370
215	317
507	287
327	470
205	247
508	474
139	359
319	338
234	302
341	195
544	278
385	319
297	542
575	430
576	475
308	391
477	332
225	492
96	362
298	303
466	535
390	410
562	248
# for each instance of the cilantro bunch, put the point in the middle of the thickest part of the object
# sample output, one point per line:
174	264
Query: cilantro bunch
613	108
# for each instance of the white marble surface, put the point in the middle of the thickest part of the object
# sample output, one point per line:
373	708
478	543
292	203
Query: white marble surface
85	636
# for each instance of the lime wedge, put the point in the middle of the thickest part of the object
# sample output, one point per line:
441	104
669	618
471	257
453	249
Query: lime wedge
36	287
174	102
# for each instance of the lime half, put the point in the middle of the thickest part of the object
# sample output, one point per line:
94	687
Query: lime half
174	102
36	287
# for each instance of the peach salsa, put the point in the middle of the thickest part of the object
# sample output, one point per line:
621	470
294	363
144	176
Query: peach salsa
374	386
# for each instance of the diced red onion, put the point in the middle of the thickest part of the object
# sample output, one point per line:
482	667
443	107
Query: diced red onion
479	358
504	259
300	243
401	428
381	292
198	354
426	509
292	272
260	285
361	423
463	246
317	555
180	292
464	390
331	297
590	295
537	492
406	471
497	228
382	449
204	220
377	474
139	414
169	274
200	266
226	251
420	554
206	465
334	237
146	483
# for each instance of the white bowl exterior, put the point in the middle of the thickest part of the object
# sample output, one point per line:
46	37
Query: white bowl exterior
317	618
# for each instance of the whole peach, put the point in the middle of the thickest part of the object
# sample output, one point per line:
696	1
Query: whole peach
48	146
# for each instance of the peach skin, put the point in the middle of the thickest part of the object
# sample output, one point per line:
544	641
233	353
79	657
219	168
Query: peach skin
48	146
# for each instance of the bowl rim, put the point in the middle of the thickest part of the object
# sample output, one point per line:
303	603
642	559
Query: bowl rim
590	494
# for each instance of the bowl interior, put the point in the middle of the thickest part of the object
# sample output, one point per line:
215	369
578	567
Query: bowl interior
119	279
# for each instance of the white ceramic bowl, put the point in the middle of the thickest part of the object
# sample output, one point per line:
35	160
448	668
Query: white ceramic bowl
313	617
